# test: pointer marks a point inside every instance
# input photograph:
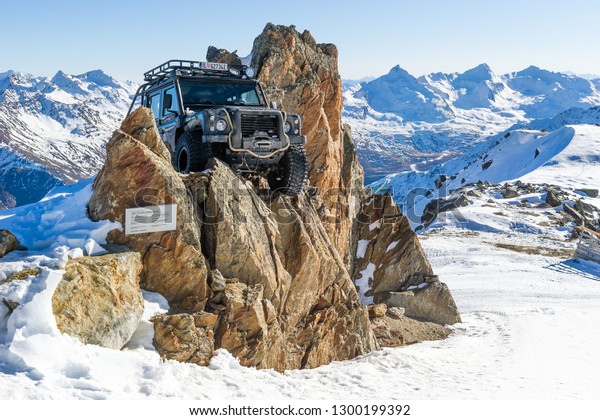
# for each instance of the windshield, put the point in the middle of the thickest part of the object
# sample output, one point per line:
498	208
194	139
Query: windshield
202	92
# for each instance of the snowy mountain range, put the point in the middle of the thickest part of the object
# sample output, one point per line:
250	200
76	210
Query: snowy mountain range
402	122
52	130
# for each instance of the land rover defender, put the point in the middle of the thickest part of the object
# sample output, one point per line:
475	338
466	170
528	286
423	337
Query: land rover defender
205	110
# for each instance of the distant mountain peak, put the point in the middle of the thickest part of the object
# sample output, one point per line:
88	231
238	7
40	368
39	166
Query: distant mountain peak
398	71
479	73
100	78
6	74
535	71
61	77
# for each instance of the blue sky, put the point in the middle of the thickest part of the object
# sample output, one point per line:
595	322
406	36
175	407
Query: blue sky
125	38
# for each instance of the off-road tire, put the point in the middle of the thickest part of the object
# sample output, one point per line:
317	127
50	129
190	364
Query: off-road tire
191	155
292	173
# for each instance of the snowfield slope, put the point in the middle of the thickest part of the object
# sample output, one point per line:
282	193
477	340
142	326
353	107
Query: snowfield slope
568	157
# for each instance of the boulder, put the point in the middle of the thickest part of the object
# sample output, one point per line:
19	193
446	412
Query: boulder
8	243
377	310
395	313
553	198
138	173
389	251
220	55
574	214
99	300
585	209
217	281
441	205
396	332
431	302
590	192
510	192
185	337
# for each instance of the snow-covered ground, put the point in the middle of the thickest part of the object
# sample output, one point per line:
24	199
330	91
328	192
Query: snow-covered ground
528	326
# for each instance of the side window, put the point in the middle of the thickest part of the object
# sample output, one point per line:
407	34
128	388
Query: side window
170	101
154	104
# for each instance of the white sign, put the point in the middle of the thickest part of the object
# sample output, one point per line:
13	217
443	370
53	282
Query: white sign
213	66
151	219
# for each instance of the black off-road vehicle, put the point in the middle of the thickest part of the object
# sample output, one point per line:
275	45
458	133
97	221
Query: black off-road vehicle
206	110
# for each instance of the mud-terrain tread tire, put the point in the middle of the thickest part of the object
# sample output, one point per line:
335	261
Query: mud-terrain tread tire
292	175
198	153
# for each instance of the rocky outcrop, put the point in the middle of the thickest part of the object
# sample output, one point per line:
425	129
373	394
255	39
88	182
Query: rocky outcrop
266	277
302	77
138	173
294	304
389	245
389	259
8	243
99	300
281	293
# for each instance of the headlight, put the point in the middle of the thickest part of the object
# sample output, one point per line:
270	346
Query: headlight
249	71
287	127
234	72
221	125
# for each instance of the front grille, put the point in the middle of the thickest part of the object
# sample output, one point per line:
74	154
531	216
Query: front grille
253	123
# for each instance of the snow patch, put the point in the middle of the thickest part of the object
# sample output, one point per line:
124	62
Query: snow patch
364	283
60	219
375	225
392	246
361	248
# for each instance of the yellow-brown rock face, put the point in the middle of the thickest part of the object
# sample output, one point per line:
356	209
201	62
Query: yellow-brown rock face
99	300
302	77
138	173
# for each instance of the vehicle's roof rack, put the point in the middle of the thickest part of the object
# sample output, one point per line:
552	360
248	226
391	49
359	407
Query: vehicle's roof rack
197	68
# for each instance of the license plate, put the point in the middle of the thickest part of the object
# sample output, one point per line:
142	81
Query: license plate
214	66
